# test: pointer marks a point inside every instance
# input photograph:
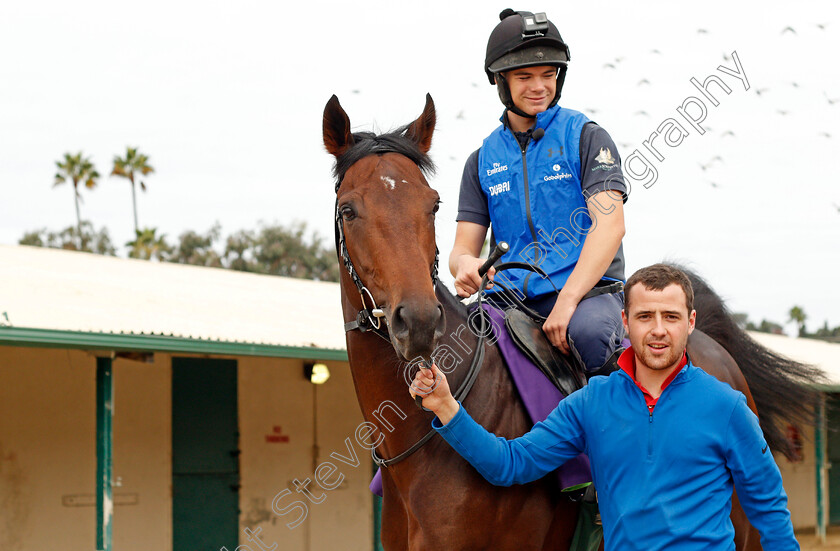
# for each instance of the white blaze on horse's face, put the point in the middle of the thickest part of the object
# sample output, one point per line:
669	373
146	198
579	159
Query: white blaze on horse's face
390	183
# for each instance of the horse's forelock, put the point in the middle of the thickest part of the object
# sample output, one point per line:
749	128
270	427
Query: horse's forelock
368	143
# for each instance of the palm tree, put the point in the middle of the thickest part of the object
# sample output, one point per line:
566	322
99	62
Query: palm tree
133	164
797	314
76	169
148	245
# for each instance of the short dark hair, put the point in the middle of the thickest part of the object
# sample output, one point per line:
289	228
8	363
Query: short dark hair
656	278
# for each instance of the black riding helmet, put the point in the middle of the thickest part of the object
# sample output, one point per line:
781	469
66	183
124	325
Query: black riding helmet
524	39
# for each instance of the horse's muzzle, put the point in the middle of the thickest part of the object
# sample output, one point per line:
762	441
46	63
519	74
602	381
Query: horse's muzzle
416	328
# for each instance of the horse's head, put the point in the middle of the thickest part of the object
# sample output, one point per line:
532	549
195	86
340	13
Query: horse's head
387	213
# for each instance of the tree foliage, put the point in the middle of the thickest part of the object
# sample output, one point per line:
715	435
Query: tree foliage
131	167
824	333
290	251
196	249
271	249
76	169
766	327
239	251
147	245
90	240
797	314
277	250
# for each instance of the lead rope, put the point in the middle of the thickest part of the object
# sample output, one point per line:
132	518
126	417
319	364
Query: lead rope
460	394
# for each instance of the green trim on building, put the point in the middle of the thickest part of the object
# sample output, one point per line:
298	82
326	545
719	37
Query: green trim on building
49	338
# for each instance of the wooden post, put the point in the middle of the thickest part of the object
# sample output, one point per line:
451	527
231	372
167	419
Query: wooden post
104	453
820	446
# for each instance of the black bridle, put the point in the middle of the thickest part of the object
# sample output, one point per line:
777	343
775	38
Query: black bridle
369	319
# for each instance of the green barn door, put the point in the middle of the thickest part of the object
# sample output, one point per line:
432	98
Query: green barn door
832	410
205	450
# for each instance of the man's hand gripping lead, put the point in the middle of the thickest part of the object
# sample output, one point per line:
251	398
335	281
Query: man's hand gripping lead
431	385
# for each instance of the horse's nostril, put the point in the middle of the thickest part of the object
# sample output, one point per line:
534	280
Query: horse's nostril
398	321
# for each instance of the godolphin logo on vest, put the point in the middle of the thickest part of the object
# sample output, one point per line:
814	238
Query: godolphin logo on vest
561	176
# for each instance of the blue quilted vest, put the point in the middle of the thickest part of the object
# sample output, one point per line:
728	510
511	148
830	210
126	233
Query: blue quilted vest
535	199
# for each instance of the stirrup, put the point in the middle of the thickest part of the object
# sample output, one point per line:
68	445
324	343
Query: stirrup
578	492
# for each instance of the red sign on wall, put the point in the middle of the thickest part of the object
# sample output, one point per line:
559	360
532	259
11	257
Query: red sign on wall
276	436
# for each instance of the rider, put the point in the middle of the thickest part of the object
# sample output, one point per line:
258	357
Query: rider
548	181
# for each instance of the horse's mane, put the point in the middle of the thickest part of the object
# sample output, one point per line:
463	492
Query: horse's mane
450	300
369	143
783	389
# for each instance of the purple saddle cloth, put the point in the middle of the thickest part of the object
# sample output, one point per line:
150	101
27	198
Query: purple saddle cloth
538	395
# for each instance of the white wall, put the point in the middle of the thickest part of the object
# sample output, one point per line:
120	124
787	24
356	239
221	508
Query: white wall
800	481
48	453
274	393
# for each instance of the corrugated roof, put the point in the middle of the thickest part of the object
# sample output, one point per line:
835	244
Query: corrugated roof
60	290
822	354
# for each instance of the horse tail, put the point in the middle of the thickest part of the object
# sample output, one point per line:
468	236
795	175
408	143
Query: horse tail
783	389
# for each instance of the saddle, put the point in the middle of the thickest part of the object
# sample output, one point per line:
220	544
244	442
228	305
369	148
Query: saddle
564	371
524	326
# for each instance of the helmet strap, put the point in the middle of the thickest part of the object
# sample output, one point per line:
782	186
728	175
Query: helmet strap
561	78
507	100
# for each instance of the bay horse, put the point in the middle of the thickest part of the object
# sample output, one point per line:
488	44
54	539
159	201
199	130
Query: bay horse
395	310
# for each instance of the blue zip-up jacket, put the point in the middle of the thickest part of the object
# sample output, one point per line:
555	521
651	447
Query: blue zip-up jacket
664	478
535	199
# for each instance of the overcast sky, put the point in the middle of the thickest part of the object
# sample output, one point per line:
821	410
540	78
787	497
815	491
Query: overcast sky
226	99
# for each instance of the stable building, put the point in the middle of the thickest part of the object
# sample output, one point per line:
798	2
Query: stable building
812	485
148	405
159	406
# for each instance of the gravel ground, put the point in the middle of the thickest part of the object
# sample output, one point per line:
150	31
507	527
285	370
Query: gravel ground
808	541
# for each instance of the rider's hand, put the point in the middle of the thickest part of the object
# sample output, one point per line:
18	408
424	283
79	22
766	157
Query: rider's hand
432	386
556	325
467	280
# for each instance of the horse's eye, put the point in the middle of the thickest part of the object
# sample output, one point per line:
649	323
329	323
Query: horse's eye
436	207
347	212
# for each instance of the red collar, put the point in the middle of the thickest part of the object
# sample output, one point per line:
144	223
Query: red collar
627	363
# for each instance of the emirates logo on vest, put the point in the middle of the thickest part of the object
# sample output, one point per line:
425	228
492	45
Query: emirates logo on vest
497	167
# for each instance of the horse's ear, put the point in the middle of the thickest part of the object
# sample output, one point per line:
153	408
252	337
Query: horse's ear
337	135
421	130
